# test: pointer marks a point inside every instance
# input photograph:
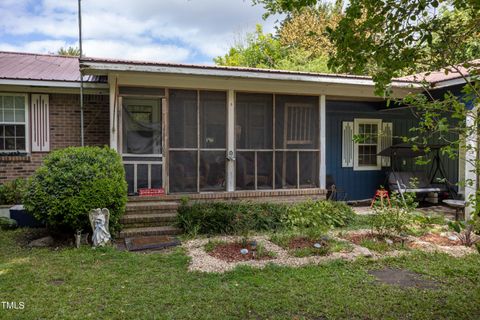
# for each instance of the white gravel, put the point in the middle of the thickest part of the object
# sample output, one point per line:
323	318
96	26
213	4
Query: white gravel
203	262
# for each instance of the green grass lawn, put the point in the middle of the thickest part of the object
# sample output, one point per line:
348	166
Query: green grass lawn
108	284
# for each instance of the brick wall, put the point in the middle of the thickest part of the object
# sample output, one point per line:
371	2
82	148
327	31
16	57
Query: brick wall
64	131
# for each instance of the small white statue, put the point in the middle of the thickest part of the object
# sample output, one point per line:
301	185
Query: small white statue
99	221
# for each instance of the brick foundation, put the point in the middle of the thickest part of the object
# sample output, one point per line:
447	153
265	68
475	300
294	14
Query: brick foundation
64	115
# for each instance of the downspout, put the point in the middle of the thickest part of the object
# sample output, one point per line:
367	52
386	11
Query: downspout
82	139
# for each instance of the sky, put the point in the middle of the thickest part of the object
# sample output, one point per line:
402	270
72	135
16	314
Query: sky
184	31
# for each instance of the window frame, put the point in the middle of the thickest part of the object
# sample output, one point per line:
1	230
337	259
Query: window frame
356	125
25	123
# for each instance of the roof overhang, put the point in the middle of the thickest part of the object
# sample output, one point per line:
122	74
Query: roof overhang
103	67
52	84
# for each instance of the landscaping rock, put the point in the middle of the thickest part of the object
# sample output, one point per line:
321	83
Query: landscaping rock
389	242
42	242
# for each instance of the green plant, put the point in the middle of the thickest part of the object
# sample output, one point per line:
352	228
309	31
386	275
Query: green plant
320	215
7	223
73	181
229	218
394	219
465	230
11	192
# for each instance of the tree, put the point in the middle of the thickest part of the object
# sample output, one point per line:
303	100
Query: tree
69	51
391	38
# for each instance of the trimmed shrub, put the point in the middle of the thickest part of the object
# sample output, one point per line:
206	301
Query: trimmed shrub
318	214
229	218
11	192
73	181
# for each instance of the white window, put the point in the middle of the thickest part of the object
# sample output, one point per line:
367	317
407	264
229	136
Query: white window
13	123
367	144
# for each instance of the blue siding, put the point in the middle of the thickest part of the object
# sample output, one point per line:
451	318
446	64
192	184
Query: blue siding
362	184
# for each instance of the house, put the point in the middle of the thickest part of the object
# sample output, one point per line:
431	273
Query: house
205	131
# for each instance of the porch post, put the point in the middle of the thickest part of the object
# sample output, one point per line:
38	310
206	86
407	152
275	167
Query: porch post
471	152
323	130
113	123
231	141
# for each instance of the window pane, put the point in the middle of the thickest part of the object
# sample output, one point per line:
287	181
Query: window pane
212	170
142	176
296	122
156	178
20	103
285	170
213	119
19	115
254	113
9	143
8	102
10	131
183	171
8	115
129	176
183	118
2	143
20	144
309	167
367	155
20	130
264	170
142	126
245	167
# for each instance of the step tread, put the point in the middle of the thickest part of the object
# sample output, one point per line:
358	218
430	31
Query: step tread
149	230
152	204
132	216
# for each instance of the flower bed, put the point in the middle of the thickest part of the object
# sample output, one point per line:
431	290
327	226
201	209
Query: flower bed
232	252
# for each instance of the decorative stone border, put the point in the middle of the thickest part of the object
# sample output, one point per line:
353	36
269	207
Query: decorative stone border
203	262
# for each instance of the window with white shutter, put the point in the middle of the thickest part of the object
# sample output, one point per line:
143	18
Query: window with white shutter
13	123
347	144
40	123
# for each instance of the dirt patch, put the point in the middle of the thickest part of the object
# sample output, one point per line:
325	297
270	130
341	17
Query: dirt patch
358	238
230	252
403	278
56	282
302	242
440	240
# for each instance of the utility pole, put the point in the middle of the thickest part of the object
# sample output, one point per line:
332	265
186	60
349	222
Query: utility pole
82	138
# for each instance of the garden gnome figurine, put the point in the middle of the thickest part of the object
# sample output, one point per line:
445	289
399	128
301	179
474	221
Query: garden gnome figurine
99	222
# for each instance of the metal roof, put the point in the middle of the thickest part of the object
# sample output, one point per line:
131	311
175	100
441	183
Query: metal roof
45	67
446	74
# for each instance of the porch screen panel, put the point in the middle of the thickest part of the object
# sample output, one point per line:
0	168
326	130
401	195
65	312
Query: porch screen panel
213	118
254	141
297	142
183	171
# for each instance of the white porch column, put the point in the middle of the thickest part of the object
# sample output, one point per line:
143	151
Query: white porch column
323	130
231	141
113	114
471	150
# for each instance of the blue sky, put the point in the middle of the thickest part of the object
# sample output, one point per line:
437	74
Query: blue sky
188	31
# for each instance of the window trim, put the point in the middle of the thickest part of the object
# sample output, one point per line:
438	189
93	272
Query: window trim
356	124
26	123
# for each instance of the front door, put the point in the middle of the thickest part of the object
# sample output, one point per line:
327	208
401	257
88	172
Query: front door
142	143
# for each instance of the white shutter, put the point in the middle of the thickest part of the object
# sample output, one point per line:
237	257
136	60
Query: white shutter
386	141
40	123
347	144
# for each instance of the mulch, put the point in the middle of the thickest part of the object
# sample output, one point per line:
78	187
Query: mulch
230	252
303	242
440	240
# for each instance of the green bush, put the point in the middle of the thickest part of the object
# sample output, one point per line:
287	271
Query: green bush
229	218
11	192
73	181
318	215
394	219
242	217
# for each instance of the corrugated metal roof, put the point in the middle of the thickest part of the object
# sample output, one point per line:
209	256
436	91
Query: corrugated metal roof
435	77
30	66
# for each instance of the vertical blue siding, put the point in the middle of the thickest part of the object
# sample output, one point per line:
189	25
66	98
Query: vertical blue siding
362	184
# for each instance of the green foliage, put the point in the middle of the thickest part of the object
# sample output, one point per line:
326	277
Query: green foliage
73	181
243	217
394	220
229	218
11	192
69	51
7	223
318	215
